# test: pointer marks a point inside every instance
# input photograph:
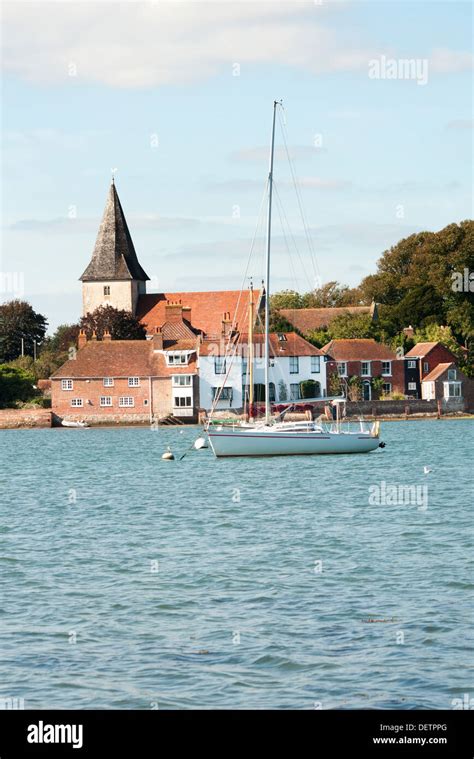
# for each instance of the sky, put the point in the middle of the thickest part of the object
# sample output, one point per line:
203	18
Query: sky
176	98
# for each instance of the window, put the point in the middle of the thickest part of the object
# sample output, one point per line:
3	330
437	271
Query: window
426	367
272	392
342	368
133	381
181	401
145	401
126	400
225	393
105	400
315	364
386	367
106	289
451	374
386	388
77	402
294	365
174	359
281	337
412	364
412	385
181	380
365	369
452	389
244	366
108	381
219	365
67	384
295	392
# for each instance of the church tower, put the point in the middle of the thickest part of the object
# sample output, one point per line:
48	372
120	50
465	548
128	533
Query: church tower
113	277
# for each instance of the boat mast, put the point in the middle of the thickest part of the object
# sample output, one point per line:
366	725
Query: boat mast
250	352
267	277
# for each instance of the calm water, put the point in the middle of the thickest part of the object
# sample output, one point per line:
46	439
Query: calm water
237	613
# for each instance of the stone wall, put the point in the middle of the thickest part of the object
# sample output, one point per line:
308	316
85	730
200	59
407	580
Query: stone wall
11	419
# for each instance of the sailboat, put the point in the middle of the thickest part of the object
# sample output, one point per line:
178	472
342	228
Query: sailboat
271	437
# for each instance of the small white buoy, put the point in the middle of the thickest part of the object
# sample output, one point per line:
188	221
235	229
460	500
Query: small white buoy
168	455
201	442
426	470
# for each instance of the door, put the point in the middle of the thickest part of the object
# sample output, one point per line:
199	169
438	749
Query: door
366	391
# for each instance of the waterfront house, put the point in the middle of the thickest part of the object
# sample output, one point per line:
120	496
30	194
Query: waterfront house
447	382
366	360
420	361
128	380
297	369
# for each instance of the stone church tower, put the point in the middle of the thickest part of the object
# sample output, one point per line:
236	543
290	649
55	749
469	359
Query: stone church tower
114	276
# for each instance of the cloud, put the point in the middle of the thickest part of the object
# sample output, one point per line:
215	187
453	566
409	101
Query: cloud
444	61
250	185
63	225
363	233
146	44
460	124
261	153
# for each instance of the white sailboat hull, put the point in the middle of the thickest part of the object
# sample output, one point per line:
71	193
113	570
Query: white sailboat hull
265	442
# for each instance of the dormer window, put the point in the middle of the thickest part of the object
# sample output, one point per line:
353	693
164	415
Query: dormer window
177	359
281	337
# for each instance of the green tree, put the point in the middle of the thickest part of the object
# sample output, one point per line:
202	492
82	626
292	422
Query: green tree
347	326
15	385
286	299
122	325
64	338
19	321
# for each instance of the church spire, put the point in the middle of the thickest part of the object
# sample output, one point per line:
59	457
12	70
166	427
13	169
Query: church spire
114	256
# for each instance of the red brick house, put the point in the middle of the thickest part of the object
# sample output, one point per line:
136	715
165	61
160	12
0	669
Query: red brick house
129	380
366	359
448	383
420	361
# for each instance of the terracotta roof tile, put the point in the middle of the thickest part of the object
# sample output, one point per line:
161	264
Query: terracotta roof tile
308	319
293	345
437	372
358	350
420	349
207	308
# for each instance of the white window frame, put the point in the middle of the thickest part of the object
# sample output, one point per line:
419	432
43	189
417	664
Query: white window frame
134	381
187	401
389	385
225	394
108	381
315	361
342	368
412	386
105	401
452	372
389	373
67	384
177	359
294	365
411	364
447	387
181	380
124	401
77	402
294	397
367	373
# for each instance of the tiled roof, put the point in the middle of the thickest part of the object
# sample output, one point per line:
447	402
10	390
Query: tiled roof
293	345
114	256
421	349
437	372
308	319
178	330
207	308
119	358
358	350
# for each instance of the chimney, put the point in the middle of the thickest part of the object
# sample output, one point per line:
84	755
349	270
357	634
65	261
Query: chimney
173	312
226	324
187	313
157	340
94	335
82	339
409	331
107	337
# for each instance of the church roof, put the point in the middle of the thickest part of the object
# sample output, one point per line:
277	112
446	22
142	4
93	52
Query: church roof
114	256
